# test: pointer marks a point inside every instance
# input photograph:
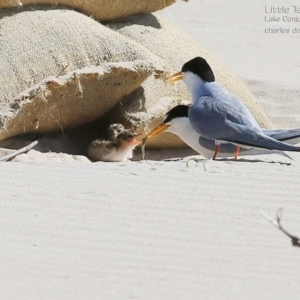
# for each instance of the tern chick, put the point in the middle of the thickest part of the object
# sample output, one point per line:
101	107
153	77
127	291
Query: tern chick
113	131
118	147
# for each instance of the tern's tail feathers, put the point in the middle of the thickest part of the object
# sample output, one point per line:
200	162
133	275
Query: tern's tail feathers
258	140
290	136
281	153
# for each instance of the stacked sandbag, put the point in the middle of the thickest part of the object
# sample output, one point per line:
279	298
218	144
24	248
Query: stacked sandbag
101	10
146	107
60	69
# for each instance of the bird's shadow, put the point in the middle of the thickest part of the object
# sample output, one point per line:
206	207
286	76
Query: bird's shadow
240	160
244	160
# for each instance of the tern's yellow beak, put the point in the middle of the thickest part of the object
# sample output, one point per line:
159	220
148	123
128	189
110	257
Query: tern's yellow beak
175	77
156	131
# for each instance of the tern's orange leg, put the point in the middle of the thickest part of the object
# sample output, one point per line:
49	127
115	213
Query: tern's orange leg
217	148
237	151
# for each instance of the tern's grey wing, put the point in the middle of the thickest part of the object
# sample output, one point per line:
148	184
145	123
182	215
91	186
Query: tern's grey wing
290	136
249	138
218	92
213	118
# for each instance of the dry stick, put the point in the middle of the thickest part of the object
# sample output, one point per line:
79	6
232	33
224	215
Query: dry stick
202	160
10	156
276	223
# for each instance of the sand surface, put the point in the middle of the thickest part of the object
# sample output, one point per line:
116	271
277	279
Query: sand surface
157	229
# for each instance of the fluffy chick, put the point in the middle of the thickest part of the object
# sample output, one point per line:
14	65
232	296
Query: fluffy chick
117	148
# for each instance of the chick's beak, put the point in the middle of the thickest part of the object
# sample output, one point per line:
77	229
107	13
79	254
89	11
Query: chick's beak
157	130
175	77
134	141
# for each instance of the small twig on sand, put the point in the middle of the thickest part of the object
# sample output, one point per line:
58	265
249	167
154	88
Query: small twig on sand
203	161
25	149
276	223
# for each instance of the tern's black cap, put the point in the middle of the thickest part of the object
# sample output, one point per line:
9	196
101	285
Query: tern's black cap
179	111
200	67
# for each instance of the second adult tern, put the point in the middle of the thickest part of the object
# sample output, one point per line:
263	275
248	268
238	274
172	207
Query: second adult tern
217	115
176	121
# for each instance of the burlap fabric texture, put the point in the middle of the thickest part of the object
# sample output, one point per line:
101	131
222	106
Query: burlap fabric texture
60	69
101	10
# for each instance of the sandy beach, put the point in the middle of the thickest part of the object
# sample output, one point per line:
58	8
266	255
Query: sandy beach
159	229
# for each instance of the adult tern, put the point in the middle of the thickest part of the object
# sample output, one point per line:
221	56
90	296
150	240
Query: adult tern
176	121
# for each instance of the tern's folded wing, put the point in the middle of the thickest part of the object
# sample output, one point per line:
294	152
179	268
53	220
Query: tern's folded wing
290	136
213	118
253	139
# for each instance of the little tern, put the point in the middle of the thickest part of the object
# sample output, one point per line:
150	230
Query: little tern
118	146
176	121
217	115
